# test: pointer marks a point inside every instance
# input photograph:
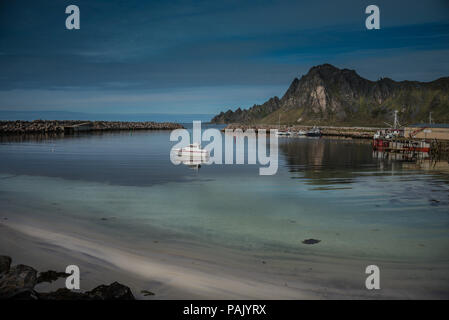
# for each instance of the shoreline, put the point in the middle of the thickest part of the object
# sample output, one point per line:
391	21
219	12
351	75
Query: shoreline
169	275
182	270
331	131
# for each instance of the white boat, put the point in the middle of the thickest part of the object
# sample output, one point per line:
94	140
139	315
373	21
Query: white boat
314	132
193	149
301	133
283	133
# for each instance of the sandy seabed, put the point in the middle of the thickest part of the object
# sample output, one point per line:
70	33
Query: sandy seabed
175	270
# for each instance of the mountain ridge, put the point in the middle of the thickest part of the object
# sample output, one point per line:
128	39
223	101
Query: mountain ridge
327	95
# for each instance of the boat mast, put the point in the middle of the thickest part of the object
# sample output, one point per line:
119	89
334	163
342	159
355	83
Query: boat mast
396	122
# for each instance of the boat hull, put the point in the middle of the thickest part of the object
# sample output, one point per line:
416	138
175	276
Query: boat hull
406	146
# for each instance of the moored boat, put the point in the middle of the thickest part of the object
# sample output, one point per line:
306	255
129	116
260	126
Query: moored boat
401	145
193	149
283	133
314	132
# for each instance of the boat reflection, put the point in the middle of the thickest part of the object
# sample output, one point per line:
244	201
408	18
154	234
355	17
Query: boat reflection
194	162
405	157
429	165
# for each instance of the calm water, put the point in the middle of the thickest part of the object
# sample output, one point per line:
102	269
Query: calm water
327	189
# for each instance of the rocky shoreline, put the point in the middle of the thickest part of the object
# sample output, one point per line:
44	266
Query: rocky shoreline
344	132
71	126
18	282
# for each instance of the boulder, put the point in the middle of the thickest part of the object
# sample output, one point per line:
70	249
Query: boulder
63	294
5	264
311	241
114	291
50	276
18	282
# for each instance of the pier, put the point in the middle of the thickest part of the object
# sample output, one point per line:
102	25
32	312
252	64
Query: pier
416	141
331	131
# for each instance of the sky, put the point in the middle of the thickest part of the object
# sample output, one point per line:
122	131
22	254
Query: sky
195	57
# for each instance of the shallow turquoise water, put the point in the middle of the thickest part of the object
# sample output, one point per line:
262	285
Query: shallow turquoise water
327	189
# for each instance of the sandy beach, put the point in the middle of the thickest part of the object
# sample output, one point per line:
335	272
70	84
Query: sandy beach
174	271
171	275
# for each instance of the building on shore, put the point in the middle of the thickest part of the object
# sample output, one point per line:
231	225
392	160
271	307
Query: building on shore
439	131
87	126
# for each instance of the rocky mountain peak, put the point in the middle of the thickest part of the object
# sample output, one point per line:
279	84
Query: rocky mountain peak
329	95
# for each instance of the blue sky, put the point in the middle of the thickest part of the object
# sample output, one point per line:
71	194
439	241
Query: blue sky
204	56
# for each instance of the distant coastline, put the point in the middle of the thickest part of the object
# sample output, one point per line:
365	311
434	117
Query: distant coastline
31	115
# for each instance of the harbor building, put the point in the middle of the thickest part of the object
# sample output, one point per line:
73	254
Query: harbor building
439	131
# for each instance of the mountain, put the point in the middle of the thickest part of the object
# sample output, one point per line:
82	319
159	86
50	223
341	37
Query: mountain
327	95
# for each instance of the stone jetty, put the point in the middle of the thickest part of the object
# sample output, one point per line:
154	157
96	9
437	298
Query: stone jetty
344	132
70	126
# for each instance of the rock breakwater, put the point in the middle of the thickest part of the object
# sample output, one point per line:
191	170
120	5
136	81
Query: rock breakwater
70	126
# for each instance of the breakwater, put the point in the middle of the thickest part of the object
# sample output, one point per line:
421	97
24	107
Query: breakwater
71	126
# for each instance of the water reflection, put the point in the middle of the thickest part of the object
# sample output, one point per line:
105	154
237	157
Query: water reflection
396	156
328	163
428	165
193	162
52	136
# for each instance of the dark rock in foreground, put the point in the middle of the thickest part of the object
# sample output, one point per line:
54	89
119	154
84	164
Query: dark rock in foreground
311	241
114	291
5	264
50	276
17	283
63	294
